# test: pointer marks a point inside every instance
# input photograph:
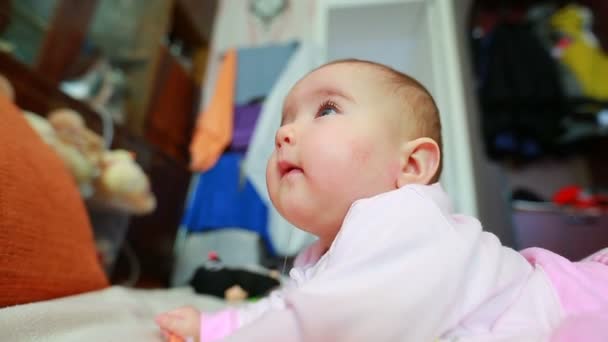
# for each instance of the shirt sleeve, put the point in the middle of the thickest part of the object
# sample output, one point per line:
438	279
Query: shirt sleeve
218	325
395	272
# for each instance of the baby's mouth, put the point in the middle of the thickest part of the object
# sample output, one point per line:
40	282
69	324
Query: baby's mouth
286	168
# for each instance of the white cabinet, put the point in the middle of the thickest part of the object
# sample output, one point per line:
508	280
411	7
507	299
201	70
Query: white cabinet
420	38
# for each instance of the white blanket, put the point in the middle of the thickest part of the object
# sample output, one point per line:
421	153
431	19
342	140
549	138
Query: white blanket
113	314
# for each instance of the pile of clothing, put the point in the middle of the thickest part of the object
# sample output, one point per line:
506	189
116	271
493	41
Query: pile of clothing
541	80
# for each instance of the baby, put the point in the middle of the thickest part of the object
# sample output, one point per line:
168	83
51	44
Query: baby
356	163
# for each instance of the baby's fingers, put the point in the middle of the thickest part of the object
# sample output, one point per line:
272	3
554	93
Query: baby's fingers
174	326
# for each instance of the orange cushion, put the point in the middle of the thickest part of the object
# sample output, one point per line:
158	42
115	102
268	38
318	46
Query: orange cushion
46	241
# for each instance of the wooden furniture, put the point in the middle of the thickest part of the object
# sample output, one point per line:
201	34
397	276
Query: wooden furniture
63	41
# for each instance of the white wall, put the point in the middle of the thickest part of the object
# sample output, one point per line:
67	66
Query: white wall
391	34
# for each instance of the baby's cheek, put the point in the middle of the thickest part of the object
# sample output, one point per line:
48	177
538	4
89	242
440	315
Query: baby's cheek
347	165
361	151
271	176
337	161
375	169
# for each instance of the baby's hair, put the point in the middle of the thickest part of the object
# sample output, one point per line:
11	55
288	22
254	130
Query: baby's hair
416	97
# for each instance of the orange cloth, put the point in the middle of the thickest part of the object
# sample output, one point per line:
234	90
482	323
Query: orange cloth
46	240
214	127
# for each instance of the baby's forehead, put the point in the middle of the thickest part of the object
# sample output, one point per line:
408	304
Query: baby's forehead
347	78
348	71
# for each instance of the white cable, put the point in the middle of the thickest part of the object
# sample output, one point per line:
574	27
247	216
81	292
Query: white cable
288	245
135	267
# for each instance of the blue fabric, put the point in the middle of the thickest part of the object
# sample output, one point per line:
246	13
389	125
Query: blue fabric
258	69
222	199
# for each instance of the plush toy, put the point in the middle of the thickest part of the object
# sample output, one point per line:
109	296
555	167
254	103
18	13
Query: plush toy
122	184
83	169
232	284
71	129
108	178
235	294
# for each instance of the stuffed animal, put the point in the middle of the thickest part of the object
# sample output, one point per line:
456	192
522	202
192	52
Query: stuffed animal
72	130
232	284
109	178
83	169
122	184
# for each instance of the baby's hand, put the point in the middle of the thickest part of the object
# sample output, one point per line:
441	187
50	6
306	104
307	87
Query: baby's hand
181	324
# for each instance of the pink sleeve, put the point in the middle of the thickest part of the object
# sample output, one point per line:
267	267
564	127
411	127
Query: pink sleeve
216	326
582	288
588	328
273	326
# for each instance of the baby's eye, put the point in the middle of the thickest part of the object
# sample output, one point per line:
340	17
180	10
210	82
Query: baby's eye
327	111
327	108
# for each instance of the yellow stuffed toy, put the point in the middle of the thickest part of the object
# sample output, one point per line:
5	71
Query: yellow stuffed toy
122	184
110	178
71	129
580	51
82	168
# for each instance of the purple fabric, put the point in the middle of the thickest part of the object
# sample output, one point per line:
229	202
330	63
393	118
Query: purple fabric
245	117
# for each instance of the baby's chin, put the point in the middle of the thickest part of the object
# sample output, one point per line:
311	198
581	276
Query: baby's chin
293	211
304	209
294	214
310	219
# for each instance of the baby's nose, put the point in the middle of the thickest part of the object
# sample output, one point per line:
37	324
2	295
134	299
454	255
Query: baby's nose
285	136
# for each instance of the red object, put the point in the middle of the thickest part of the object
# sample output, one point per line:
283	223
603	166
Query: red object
575	196
563	43
213	256
567	195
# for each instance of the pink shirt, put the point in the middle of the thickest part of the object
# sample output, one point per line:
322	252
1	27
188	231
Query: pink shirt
404	267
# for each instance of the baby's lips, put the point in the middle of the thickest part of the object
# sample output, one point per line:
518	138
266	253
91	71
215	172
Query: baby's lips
285	166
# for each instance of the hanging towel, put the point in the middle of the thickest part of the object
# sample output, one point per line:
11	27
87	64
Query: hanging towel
286	239
221	199
258	70
214	127
245	117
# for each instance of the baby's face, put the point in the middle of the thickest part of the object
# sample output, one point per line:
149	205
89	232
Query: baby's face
335	145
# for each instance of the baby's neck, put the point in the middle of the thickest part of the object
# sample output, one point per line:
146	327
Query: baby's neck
324	245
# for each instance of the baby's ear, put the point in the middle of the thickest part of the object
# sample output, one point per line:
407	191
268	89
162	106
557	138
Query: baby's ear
419	162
